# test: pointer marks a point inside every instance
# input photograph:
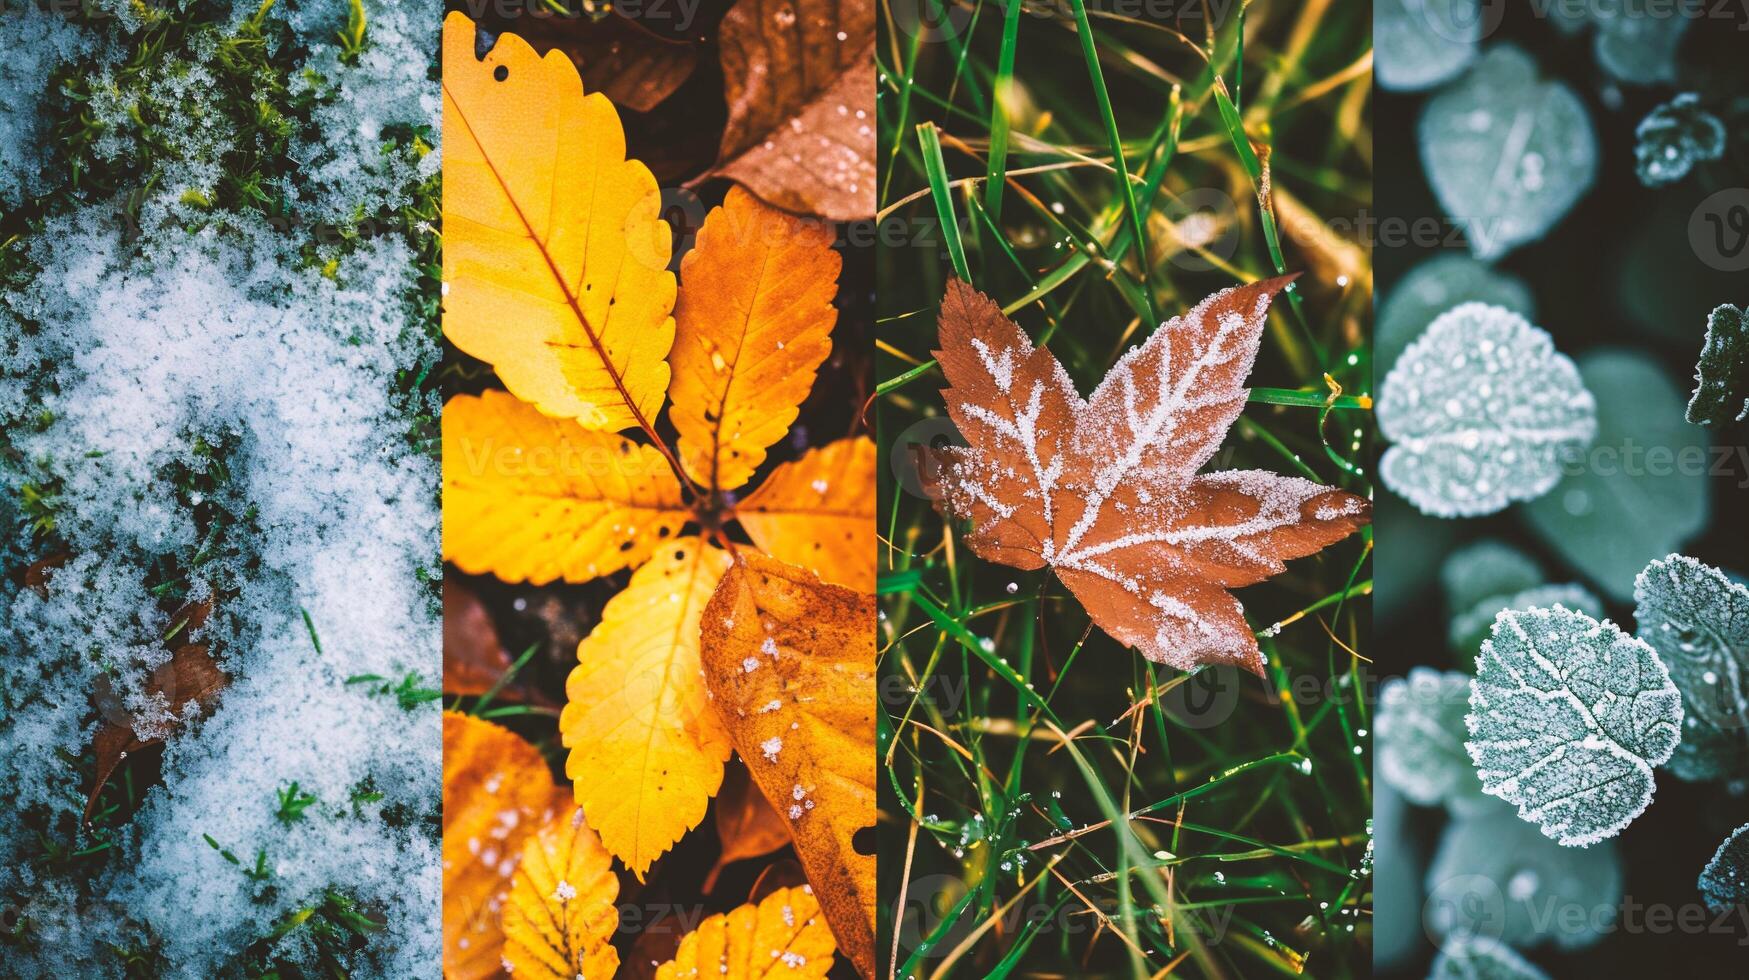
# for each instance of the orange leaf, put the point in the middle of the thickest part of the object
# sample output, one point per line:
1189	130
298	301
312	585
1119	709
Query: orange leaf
754	322
782	936
818	512
554	256
747	825
191	676
799	79
790	664
527	497
497	792
1109	491
647	749
560	920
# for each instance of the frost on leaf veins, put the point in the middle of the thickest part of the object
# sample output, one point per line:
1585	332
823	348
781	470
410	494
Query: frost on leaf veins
1568	716
1481	411
1106	491
1698	621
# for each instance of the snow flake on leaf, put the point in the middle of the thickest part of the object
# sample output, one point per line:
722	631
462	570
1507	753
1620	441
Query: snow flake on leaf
1107	491
1481	411
1568	716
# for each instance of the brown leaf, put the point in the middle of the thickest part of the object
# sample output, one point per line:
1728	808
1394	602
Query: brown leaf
473	659
633	67
746	823
790	665
38	573
799	79
191	676
1108	491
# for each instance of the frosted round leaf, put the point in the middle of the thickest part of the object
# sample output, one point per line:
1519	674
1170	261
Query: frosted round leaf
1469	628
1421	43
1673	138
1721	377
1485	569
1481	410
1508	154
1494	878
1435	286
1725	882
1482	961
1641	491
1638	45
1697	619
1420	734
1568	716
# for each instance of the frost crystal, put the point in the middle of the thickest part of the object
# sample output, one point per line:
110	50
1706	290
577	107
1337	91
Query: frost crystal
1508	155
1420	739
1725	882
1698	621
1482	959
1673	138
1437	285
1481	410
1568	717
1495	878
1721	378
1469	628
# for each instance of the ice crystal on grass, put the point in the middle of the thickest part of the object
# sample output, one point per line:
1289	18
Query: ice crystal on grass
1725	882
1673	138
1641	491
1480	410
1481	959
1507	154
1698	621
1420	731
1421	43
1437	285
1568	717
1721	377
1495	878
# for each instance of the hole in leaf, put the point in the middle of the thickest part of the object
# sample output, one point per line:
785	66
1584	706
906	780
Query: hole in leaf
500	73
864	841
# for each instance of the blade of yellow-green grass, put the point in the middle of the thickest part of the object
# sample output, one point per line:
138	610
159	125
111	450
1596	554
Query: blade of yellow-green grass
906	79
929	138
997	166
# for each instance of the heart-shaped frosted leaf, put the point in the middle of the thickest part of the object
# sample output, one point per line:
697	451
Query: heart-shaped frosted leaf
1567	718
1637	44
1420	730
1421	43
1698	621
1482	960
1725	882
1435	286
1507	153
1481	410
1469	628
1721	378
1485	569
1673	138
1495	878
1642	489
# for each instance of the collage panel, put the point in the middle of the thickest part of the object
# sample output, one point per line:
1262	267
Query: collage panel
1124	370
1560	741
658	537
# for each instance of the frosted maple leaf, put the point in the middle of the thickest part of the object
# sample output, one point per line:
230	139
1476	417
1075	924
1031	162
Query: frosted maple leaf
1107	490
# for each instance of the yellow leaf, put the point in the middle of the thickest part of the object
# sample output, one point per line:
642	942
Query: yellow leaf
554	257
782	936
647	749
753	324
790	665
818	512
527	497
560	920
497	792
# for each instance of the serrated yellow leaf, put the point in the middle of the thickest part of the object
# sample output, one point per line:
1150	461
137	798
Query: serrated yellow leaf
497	793
561	917
818	512
647	748
782	936
753	324
554	254
527	497
790	665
